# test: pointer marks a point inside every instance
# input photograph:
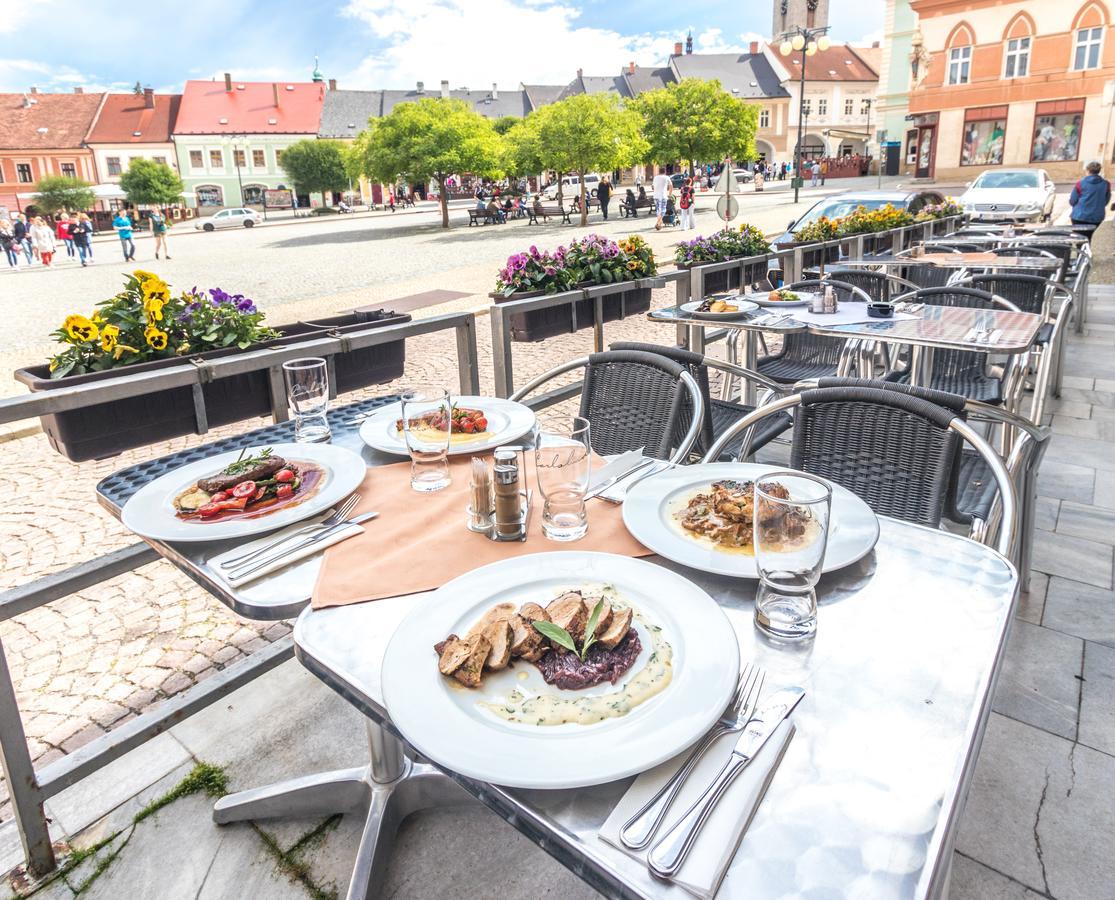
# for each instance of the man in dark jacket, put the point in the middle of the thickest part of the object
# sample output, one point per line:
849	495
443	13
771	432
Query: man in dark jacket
22	234
604	194
1089	199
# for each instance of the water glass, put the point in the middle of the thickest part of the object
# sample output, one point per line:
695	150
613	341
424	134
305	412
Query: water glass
307	388
427	414
562	464
791	533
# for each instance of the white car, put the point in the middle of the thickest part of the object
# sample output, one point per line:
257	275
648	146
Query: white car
571	187
1015	195
230	218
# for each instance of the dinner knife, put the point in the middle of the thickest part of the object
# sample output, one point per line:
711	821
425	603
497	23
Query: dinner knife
612	482
666	857
312	539
606	474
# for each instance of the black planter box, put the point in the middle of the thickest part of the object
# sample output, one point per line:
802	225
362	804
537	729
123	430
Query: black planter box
105	429
716	282
539	324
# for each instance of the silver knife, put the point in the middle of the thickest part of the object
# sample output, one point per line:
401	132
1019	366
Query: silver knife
617	466
666	857
312	539
612	482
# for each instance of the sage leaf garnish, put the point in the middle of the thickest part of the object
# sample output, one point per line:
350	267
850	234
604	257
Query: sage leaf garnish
557	634
590	628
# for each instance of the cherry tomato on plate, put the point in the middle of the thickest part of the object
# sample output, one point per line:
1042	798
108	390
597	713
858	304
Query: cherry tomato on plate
284	475
481	424
284	491
218	497
209	510
244	489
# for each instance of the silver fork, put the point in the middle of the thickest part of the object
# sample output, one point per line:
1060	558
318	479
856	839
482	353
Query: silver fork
638	831
336	518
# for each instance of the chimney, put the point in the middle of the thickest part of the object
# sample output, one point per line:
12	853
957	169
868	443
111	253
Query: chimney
332	84
631	67
754	47
421	88
677	49
149	98
874	43
275	92
495	91
34	90
444	89
79	90
228	82
580	74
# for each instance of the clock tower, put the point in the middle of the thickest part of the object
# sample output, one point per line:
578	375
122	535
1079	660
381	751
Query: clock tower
804	13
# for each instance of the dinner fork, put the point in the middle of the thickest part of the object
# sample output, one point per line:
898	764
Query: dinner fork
638	831
337	517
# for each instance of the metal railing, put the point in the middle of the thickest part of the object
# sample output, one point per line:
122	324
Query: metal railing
29	788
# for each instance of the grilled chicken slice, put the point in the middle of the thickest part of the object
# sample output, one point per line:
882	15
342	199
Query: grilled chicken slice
569	612
498	636
532	612
499	612
469	672
526	640
452	653
605	613
617	628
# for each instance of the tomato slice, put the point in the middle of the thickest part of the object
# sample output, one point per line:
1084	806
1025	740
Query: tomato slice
284	490
259	495
209	510
218	497
481	424
284	475
244	489
235	503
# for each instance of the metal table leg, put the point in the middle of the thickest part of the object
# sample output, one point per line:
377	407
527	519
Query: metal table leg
390	787
749	361
921	365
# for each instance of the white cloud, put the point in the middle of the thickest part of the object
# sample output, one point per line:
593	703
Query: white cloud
15	16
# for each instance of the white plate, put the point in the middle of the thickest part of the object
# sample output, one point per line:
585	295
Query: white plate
150	511
507	421
442	720
649	505
761	300
744	307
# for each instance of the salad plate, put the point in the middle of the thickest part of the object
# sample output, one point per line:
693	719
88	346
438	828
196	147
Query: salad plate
794	298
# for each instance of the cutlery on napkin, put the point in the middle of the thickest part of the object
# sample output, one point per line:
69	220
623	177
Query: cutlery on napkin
613	469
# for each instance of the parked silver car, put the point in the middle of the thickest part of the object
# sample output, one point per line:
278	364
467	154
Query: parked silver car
229	218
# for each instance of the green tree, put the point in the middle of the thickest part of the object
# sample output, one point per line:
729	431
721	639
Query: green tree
522	146
61	192
697	120
430	139
504	124
315	166
150	183
589	133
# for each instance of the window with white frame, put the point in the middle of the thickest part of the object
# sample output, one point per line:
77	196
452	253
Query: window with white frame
764	118
112	163
258	160
23	173
822	106
1087	55
216	159
807	107
196	159
69	169
849	106
960	65
865	106
1017	59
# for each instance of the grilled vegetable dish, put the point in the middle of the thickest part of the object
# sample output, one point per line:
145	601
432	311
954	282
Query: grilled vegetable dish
464	421
717	306
783	296
725	515
252	485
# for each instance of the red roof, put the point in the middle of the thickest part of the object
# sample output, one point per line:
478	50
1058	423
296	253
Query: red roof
250	108
125	114
46	121
841	62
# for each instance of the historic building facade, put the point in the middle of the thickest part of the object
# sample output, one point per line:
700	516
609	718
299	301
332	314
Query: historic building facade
1012	84
901	59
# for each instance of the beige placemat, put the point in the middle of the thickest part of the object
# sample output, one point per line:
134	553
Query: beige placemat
419	542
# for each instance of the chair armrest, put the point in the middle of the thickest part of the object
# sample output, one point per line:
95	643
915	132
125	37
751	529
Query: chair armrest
749	375
529	387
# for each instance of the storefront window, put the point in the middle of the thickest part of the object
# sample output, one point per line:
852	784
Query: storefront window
209	195
253	194
984	131
1057	131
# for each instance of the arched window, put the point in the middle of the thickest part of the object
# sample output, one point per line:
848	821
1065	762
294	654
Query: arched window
210	195
253	194
1016	50
959	61
1088	26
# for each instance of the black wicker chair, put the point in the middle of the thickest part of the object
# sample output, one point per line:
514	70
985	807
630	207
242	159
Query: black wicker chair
1063	250
962	372
719	414
634	400
925	275
879	286
948	244
897	447
807	356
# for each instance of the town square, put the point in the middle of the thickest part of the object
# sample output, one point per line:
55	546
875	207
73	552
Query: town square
558	450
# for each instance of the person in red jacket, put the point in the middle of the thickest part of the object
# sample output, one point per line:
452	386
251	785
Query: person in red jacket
62	232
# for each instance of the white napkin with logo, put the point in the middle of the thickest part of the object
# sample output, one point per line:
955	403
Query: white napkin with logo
847	314
716	845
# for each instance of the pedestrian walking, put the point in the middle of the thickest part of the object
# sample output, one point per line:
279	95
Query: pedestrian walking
815	173
42	239
824	171
81	231
62	233
123	226
604	195
8	243
685	204
1089	199
22	233
661	189
159	228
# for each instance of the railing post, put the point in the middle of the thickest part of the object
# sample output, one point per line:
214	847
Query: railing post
468	368
280	410
681	295
23	786
502	366
696	292
597	322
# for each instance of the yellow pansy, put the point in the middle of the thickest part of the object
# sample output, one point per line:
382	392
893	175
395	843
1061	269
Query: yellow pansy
144	276
156	339
121	349
153	306
109	334
633	265
80	328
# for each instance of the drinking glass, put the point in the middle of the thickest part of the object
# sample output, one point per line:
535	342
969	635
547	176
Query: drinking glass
427	428
562	464
791	534
307	389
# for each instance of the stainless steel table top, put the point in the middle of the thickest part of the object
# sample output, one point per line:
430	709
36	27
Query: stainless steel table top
957	261
866	801
673	315
944	327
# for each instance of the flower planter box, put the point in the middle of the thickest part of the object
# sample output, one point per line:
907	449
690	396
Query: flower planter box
539	324
105	429
812	258
715	282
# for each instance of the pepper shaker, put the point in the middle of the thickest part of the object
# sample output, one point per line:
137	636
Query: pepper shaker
508	483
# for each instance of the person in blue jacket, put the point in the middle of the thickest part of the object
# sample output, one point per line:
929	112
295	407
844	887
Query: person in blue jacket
1089	200
123	226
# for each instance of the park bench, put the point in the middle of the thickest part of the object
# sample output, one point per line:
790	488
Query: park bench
625	209
545	213
483	217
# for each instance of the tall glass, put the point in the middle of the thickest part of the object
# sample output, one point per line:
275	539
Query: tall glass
791	518
307	388
427	425
562	464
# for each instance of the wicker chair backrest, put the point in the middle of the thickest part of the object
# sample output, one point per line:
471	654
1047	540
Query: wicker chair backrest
949	365
875	284
1027	292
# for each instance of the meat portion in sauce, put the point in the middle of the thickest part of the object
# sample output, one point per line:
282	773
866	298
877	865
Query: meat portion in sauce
249	487
725	514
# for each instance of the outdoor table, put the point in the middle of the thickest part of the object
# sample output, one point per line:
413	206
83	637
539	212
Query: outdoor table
899	678
1023	238
957	261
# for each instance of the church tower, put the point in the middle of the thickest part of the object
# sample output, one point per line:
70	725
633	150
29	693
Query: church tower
804	13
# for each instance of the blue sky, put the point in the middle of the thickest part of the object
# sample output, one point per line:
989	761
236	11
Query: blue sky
56	44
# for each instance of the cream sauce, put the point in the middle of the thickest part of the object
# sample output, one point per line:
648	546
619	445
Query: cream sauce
563	708
433	435
677	510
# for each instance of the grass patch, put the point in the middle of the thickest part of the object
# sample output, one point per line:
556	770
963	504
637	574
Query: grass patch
294	868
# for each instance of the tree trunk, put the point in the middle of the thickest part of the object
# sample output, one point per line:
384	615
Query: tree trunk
444	201
559	197
584	200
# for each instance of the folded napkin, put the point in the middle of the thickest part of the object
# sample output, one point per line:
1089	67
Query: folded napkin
710	856
617	493
846	314
287	557
616	465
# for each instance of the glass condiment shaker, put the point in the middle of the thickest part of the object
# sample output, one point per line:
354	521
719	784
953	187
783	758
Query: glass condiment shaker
830	300
507	477
817	302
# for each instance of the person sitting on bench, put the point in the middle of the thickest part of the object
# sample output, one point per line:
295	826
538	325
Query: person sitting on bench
495	212
629	201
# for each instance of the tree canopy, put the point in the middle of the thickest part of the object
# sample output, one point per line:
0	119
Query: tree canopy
504	124
522	146
150	183
61	192
696	120
315	166
432	138
589	133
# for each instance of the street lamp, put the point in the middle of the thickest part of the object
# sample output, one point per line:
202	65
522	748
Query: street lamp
806	41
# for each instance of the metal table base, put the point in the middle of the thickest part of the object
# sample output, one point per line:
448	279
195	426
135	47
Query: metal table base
389	788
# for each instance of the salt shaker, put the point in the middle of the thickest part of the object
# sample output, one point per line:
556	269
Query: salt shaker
830	300
508	478
817	303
